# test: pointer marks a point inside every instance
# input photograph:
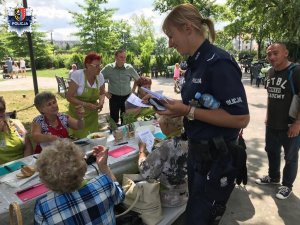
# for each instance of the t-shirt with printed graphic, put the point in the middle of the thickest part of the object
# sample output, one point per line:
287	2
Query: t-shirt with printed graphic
280	97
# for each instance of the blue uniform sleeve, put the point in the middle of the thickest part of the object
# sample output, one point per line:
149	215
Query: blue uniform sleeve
227	87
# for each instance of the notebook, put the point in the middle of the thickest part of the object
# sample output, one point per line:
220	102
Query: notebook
32	192
116	153
8	168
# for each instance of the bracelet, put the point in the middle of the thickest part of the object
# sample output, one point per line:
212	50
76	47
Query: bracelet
189	109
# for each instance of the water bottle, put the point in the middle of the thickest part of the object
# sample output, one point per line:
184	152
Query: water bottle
207	100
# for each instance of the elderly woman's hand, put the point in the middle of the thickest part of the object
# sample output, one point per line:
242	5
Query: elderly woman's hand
107	95
80	111
101	154
142	146
146	98
91	106
3	126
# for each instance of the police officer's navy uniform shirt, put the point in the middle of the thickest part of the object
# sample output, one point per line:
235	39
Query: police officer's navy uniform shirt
212	70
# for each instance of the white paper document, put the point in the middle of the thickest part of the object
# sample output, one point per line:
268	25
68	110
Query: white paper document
148	138
135	100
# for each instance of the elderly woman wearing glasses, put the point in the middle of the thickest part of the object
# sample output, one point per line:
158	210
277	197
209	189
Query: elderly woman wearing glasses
87	88
14	143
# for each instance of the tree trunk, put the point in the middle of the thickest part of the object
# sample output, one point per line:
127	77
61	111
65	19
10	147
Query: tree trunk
259	49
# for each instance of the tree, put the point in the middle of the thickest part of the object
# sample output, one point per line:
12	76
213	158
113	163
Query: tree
143	32
268	20
208	8
95	26
224	40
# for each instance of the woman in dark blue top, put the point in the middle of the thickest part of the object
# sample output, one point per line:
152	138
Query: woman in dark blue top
212	133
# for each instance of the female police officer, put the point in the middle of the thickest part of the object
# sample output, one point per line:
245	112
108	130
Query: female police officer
212	134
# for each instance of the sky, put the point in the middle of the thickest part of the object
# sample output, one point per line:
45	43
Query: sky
53	16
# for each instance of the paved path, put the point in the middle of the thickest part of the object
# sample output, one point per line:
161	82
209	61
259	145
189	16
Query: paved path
27	83
253	205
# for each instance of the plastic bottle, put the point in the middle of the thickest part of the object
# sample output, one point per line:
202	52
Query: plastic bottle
207	100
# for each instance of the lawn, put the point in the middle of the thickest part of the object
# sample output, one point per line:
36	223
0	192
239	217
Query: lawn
62	72
24	105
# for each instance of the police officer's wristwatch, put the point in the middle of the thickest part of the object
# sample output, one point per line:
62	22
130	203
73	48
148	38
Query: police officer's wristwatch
191	114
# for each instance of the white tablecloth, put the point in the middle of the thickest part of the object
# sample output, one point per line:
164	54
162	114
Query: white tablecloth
124	164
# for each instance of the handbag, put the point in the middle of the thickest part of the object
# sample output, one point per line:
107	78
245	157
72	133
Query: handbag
295	104
130	218
142	196
15	214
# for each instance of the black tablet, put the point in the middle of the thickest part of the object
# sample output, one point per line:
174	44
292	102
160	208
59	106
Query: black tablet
157	104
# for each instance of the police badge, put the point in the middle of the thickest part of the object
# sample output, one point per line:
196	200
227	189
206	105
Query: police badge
19	20
20	14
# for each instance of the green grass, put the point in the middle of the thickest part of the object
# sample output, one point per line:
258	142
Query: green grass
62	72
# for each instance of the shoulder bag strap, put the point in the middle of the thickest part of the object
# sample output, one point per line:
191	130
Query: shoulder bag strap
291	70
138	194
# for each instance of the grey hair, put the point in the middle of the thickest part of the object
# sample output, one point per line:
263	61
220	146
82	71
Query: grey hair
173	123
42	98
61	166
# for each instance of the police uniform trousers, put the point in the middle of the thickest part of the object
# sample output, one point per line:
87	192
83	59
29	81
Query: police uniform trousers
211	179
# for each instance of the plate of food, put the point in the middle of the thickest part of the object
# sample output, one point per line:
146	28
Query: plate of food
98	138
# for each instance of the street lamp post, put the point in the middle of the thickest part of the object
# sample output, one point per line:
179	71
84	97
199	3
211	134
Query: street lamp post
32	61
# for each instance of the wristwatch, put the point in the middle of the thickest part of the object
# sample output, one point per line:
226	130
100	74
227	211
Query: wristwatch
191	114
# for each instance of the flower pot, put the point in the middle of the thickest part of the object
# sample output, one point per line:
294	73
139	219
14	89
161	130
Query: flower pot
118	135
130	134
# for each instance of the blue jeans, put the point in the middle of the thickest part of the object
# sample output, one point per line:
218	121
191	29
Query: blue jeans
275	139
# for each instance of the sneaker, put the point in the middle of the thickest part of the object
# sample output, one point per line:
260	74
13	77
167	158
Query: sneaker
284	192
267	180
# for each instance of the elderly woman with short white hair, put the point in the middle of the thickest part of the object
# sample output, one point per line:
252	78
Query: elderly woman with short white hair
73	200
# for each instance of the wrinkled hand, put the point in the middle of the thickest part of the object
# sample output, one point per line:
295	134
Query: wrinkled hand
91	106
99	106
108	95
142	146
175	108
146	98
294	129
101	154
80	111
3	126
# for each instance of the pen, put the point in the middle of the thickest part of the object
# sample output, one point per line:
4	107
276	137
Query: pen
122	143
8	169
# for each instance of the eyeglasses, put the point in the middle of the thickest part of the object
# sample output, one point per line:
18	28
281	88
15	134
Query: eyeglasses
96	66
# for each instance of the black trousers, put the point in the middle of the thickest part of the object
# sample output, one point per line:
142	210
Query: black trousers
117	106
210	185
